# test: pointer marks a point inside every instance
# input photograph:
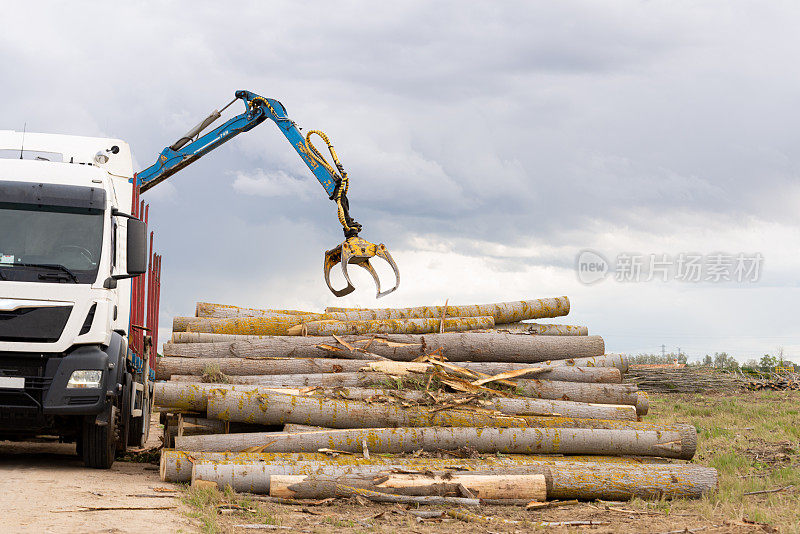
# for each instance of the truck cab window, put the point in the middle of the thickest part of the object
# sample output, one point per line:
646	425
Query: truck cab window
33	237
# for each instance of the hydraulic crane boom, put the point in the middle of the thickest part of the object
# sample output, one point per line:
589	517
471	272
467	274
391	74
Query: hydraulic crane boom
195	144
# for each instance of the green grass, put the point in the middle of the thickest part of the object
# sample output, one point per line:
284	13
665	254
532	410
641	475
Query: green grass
752	440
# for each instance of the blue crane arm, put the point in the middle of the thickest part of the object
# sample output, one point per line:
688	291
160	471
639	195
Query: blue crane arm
195	144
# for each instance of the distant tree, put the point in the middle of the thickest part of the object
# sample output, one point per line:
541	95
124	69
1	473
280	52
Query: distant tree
707	361
768	363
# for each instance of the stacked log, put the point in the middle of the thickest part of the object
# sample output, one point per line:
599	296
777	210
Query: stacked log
252	397
775	382
684	380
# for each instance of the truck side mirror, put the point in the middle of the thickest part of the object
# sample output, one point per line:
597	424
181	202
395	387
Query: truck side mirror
137	247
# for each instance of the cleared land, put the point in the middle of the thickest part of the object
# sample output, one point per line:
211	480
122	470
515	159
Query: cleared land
753	439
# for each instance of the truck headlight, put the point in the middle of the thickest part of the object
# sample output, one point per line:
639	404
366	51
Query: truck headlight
85	379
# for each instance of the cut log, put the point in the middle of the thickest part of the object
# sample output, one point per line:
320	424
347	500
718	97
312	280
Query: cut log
503	312
567	478
277	409
541	389
540	329
168	366
476	347
390	326
482	347
531	486
176	466
190	426
208	309
511	406
262	326
583	392
667	444
194	398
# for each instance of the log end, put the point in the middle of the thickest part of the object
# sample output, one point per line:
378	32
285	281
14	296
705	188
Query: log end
642	403
688	442
162	467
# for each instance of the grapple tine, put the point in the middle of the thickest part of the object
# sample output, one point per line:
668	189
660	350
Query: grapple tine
347	257
332	257
384	253
368	266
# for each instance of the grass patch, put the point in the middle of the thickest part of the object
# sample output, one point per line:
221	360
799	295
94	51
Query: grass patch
751	438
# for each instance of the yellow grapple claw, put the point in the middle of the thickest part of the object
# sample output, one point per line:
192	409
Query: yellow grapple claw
357	251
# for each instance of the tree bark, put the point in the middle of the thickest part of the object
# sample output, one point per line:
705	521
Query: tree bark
540	329
276	409
168	366
530	486
176	465
503	312
293	428
667	444
469	346
390	326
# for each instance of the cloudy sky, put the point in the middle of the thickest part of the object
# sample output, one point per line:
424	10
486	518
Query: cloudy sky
488	143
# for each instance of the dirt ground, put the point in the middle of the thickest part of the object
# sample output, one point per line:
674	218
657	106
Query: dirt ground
44	485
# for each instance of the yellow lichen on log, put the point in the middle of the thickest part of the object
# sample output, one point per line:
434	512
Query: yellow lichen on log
502	312
390	326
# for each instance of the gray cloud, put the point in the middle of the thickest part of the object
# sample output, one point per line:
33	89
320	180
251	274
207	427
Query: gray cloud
547	127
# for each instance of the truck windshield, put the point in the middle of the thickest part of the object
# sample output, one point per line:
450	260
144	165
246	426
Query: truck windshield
50	243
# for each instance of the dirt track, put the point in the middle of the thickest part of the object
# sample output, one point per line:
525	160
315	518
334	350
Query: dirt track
43	484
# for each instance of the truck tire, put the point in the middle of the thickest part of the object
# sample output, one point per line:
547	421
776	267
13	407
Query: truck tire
140	426
99	443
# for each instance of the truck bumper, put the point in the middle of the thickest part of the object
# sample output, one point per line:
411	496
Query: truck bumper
45	395
61	400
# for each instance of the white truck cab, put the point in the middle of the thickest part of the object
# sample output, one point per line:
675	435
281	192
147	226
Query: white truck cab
68	250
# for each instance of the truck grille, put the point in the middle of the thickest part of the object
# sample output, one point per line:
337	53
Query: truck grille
32	370
34	325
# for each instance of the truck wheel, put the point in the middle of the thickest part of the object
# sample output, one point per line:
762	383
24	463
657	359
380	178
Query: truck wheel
140	426
99	443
